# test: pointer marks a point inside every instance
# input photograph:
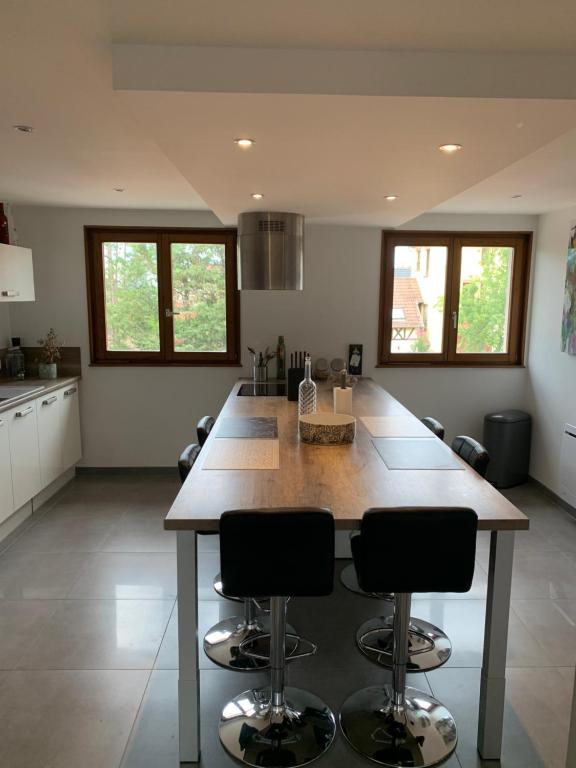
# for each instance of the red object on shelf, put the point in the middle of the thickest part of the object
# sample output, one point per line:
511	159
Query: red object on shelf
4	233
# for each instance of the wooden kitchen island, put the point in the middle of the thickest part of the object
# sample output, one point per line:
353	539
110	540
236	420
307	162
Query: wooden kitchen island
347	479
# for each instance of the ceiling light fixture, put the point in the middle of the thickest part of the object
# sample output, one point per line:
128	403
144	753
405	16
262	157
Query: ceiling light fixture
257	195
244	143
450	149
391	198
23	128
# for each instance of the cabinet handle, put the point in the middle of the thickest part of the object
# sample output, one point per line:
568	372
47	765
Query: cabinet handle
50	400
25	412
70	392
10	294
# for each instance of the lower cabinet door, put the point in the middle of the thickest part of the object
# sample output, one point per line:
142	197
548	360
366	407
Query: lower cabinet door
6	498
50	436
71	445
23	435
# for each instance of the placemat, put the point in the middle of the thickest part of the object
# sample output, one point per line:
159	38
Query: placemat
243	453
415	453
395	426
249	426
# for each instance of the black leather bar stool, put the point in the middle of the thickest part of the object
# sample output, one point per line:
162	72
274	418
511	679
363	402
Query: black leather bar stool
283	552
204	427
393	724
434	426
472	452
187	459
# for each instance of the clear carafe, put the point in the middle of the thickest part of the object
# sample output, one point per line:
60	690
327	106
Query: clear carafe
307	391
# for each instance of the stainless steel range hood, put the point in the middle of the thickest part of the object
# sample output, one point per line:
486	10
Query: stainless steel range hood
270	251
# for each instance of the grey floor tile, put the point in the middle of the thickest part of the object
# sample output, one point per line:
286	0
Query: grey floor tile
67	719
100	634
137	532
127	576
21	622
44	576
533	737
55	534
543	575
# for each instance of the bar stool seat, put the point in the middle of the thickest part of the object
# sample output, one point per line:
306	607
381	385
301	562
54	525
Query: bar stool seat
290	551
392	724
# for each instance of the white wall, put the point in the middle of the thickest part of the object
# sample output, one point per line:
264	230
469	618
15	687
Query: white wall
143	416
551	382
4	325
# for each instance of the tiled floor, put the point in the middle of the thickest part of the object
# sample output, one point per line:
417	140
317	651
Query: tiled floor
88	638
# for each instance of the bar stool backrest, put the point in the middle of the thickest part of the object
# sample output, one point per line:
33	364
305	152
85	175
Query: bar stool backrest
204	427
472	452
434	426
187	459
416	549
277	552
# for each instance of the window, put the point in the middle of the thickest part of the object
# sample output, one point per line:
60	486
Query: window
162	297
453	298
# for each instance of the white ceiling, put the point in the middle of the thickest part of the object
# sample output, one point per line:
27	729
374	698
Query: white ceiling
331	157
411	25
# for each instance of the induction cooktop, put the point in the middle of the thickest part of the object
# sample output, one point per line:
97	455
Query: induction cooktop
263	389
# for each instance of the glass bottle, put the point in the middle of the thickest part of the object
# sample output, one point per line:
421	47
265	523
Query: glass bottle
281	359
15	361
307	390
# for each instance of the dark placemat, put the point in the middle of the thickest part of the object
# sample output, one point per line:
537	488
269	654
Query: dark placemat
249	426
415	453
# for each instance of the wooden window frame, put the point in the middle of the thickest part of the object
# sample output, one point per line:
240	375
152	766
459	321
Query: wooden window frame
454	242
94	236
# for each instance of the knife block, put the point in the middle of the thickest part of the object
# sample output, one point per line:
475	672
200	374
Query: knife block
295	376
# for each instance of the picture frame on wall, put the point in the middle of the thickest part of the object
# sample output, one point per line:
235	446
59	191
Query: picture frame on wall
355	353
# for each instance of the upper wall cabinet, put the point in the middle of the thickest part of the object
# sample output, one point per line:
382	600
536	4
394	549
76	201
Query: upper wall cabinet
16	274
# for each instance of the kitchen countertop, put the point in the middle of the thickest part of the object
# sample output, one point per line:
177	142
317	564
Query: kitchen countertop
48	385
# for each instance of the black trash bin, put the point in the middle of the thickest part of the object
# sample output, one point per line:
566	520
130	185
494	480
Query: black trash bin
507	440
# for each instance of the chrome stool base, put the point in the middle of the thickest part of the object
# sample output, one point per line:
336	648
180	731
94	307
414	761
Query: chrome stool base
422	734
217	584
349	579
258	734
222	643
428	646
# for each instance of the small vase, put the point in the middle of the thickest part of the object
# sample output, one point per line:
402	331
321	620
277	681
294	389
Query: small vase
47	370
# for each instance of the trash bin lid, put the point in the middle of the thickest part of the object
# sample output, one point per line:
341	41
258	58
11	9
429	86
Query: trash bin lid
508	416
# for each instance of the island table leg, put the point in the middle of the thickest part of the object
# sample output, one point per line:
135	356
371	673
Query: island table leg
493	678
189	676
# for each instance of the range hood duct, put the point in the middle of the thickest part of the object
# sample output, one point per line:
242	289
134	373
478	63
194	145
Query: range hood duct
270	251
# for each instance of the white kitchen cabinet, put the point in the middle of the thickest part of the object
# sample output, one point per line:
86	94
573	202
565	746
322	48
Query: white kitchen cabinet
50	436
24	454
6	498
16	274
71	445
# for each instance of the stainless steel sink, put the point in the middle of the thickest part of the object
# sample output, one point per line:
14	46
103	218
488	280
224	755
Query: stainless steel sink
11	391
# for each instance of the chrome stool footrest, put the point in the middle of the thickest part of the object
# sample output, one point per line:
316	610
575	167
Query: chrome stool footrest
421	731
290	647
257	733
429	647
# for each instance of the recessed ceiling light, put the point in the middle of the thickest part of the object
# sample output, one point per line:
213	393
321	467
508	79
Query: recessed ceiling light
515	197
244	143
23	128
391	198
119	189
257	195
449	149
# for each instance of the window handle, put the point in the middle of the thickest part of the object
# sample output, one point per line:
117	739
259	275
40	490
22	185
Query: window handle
455	320
170	313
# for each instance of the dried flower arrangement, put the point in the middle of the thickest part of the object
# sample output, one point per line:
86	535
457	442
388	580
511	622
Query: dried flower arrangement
51	347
